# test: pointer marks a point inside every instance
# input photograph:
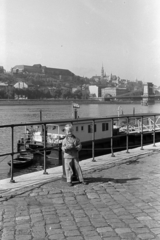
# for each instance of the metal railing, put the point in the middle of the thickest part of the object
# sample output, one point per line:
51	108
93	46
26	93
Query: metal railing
93	122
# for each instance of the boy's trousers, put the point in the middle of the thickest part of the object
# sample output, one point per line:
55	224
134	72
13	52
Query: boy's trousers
69	162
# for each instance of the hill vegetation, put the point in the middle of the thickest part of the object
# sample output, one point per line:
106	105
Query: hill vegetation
42	86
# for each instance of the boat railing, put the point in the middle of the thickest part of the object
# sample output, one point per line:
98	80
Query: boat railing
143	123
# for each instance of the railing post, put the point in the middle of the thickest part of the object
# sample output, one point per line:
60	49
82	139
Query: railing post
154	133
12	155
40	115
127	136
93	141
44	149
112	155
142	133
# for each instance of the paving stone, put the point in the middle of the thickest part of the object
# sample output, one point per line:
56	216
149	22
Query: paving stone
22	218
75	238
141	230
69	228
90	233
57	200
57	237
145	236
92	238
53	226
128	236
104	229
8	238
112	238
23	237
72	233
122	230
108	234
155	230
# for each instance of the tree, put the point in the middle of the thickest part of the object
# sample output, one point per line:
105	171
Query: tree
66	93
85	94
57	93
77	94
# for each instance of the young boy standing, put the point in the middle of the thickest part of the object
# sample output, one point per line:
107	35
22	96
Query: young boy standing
71	146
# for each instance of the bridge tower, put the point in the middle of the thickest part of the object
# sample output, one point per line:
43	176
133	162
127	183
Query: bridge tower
148	92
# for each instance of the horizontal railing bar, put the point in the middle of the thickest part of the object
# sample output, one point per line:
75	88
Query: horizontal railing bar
42	149
78	120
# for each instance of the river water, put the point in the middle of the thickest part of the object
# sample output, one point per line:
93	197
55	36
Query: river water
24	114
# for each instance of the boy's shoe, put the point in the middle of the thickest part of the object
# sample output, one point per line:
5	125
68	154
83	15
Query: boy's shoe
70	184
85	183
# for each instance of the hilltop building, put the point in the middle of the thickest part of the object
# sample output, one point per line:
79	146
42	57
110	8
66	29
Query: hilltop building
39	69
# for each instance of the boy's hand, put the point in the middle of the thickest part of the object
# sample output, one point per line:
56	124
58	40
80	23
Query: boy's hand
69	146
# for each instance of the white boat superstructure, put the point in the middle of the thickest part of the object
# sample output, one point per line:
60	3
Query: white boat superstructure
83	130
149	124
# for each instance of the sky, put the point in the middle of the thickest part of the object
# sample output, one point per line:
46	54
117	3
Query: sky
83	35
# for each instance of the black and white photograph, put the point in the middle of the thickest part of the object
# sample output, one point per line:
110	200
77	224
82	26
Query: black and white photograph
80	120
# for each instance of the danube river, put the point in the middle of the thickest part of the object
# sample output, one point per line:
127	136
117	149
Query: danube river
24	114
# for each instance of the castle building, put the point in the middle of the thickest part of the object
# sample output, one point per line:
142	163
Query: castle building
39	69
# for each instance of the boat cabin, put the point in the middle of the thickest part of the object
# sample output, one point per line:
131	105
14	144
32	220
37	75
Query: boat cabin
82	130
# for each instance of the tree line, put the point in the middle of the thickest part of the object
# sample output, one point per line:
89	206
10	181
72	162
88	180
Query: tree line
43	93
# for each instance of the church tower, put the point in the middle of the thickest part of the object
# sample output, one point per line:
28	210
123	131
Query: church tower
102	72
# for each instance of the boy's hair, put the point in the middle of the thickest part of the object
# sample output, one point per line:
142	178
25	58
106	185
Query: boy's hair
69	126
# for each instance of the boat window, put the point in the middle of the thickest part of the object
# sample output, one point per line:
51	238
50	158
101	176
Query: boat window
81	128
77	128
104	126
90	128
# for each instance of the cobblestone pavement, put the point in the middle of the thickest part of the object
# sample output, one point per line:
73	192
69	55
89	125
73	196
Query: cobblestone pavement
122	202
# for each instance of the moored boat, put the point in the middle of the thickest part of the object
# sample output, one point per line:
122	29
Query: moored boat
22	160
101	131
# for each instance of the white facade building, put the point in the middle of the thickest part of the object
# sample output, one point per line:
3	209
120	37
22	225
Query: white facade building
20	85
93	89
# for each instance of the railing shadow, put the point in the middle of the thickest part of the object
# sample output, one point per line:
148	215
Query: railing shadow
106	180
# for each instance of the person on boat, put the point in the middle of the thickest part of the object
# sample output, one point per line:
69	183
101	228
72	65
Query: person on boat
71	146
27	134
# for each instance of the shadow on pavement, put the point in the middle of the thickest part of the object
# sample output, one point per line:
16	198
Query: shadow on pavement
123	180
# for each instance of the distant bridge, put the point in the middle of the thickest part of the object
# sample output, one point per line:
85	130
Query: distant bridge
147	96
133	97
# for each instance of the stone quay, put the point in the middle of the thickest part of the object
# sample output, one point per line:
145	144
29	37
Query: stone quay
120	201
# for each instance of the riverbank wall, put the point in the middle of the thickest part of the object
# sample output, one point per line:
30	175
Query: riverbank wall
4	102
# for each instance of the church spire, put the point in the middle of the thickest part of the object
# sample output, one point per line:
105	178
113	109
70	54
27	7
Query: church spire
102	72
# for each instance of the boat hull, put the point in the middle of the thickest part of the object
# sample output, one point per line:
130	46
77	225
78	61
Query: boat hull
22	160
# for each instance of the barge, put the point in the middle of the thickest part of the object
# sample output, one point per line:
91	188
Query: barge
100	133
